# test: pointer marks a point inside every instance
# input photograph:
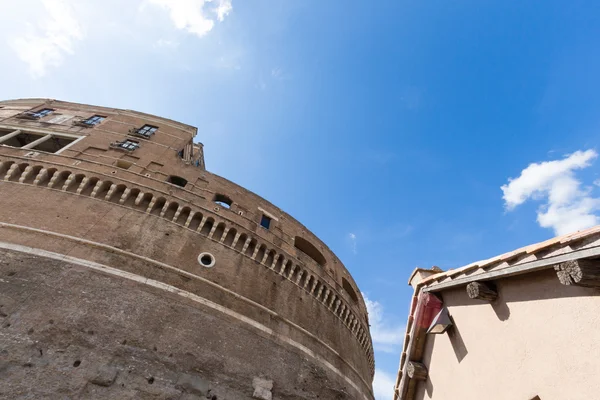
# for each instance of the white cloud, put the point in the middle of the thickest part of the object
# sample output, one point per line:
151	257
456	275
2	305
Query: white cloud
386	336
383	385
223	9
164	43
47	42
569	207
352	237
193	15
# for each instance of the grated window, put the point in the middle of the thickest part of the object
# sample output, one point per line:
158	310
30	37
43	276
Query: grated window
146	131
94	120
129	145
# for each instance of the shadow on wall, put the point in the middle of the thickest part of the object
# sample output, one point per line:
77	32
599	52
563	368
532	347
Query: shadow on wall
429	387
458	344
501	308
541	285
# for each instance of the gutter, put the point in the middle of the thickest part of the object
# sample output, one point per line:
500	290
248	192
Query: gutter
424	307
532	266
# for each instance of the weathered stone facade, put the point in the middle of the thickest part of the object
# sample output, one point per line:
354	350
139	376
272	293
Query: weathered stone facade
129	271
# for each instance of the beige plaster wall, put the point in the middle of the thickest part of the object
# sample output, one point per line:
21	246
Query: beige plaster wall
540	338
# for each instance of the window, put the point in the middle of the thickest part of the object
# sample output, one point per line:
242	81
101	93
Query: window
177	180
265	222
91	121
223	200
43	112
36	114
349	289
48	142
310	250
128	144
146	131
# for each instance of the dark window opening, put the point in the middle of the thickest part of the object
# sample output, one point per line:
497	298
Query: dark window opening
22	139
349	289
146	131
223	200
54	144
49	143
310	250
177	180
265	222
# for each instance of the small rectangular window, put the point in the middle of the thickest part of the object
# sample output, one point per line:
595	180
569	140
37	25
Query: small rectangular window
146	131
42	113
95	120
36	114
128	144
265	222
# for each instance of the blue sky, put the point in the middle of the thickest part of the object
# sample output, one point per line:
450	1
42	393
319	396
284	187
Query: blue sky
403	133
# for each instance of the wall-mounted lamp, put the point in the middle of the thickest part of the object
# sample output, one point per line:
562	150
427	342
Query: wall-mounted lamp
440	323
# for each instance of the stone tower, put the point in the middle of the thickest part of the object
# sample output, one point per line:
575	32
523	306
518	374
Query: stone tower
127	271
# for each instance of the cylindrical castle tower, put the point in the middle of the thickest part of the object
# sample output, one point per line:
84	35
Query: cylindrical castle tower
129	271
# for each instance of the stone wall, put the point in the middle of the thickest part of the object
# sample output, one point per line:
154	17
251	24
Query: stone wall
67	331
119	213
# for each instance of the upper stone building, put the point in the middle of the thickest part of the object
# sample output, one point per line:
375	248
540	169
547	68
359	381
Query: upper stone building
129	271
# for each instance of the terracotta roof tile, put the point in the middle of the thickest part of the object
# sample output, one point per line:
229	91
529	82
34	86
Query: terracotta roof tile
506	257
580	234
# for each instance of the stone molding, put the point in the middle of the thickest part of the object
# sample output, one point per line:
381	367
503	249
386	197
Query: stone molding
193	217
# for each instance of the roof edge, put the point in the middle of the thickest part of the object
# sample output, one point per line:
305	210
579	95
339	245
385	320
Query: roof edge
34	100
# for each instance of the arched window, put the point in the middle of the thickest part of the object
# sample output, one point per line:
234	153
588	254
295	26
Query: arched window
349	289
310	250
177	180
223	200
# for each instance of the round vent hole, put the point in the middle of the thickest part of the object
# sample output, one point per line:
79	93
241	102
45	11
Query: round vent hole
206	260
